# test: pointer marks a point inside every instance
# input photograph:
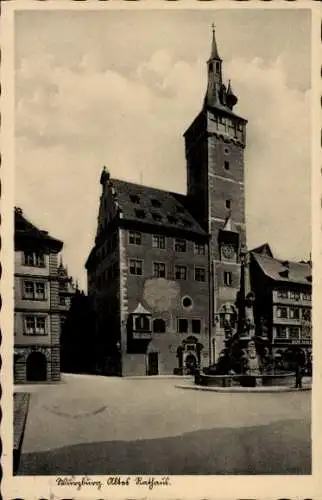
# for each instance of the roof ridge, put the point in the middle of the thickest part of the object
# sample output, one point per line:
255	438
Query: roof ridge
148	187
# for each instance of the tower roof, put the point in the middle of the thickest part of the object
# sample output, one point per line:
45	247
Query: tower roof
214	49
229	225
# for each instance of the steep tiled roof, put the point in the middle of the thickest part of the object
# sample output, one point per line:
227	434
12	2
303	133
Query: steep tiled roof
24	228
284	271
154	206
264	249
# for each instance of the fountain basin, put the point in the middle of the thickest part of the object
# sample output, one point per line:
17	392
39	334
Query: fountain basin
286	379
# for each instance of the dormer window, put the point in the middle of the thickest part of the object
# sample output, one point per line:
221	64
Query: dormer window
157	217
135	199
186	222
285	273
155	203
140	214
172	219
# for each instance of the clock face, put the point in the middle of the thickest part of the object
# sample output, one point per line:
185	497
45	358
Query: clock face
227	251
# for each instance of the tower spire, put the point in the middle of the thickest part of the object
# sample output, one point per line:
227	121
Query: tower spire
214	48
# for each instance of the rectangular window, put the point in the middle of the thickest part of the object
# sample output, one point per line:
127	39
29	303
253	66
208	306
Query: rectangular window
180	245
306	296
40	291
180	272
294	313
282	312
34	290
158	241
158	269
295	295
135	238
306	314
200	274
136	267
228	204
28	288
30	325
182	325
306	332
228	279
282	294
281	332
35	325
200	249
34	259
196	326
294	332
62	300
40	325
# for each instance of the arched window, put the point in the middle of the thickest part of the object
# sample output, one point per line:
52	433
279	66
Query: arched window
159	325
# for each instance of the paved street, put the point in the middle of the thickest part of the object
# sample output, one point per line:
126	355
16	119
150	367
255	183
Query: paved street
99	425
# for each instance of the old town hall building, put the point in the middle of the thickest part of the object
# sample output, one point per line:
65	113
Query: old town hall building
164	272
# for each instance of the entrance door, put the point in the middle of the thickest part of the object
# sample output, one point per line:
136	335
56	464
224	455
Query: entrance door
191	364
36	367
153	363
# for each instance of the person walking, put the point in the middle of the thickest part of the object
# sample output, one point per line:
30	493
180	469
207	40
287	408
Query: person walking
298	375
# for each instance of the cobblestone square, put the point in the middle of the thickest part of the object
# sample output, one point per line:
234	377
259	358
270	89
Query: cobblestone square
97	425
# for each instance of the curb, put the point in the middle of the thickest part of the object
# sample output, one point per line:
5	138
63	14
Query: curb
20	411
157	377
256	390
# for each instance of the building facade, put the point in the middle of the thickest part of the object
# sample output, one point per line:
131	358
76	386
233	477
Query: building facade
66	292
283	303
169	262
36	304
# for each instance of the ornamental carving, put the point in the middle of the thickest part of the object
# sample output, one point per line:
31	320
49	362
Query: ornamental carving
23	352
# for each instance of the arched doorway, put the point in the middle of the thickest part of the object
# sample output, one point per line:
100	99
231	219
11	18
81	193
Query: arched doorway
191	363
189	355
36	367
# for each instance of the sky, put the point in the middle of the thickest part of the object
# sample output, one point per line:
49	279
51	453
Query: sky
120	87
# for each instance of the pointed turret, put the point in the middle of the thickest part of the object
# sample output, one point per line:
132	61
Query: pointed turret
215	90
214	49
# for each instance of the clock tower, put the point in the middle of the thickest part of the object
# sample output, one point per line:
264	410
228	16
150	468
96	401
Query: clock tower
214	145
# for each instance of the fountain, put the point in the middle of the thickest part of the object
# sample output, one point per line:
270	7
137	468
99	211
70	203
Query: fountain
246	360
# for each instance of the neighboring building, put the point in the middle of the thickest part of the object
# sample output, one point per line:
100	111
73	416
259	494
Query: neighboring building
283	301
66	291
165	269
36	307
78	353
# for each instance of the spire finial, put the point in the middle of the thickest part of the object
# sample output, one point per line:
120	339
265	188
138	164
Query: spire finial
214	50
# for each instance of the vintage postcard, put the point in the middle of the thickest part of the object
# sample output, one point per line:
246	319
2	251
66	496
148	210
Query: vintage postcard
160	251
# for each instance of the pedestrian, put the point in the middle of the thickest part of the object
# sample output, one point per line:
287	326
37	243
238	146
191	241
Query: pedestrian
298	376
